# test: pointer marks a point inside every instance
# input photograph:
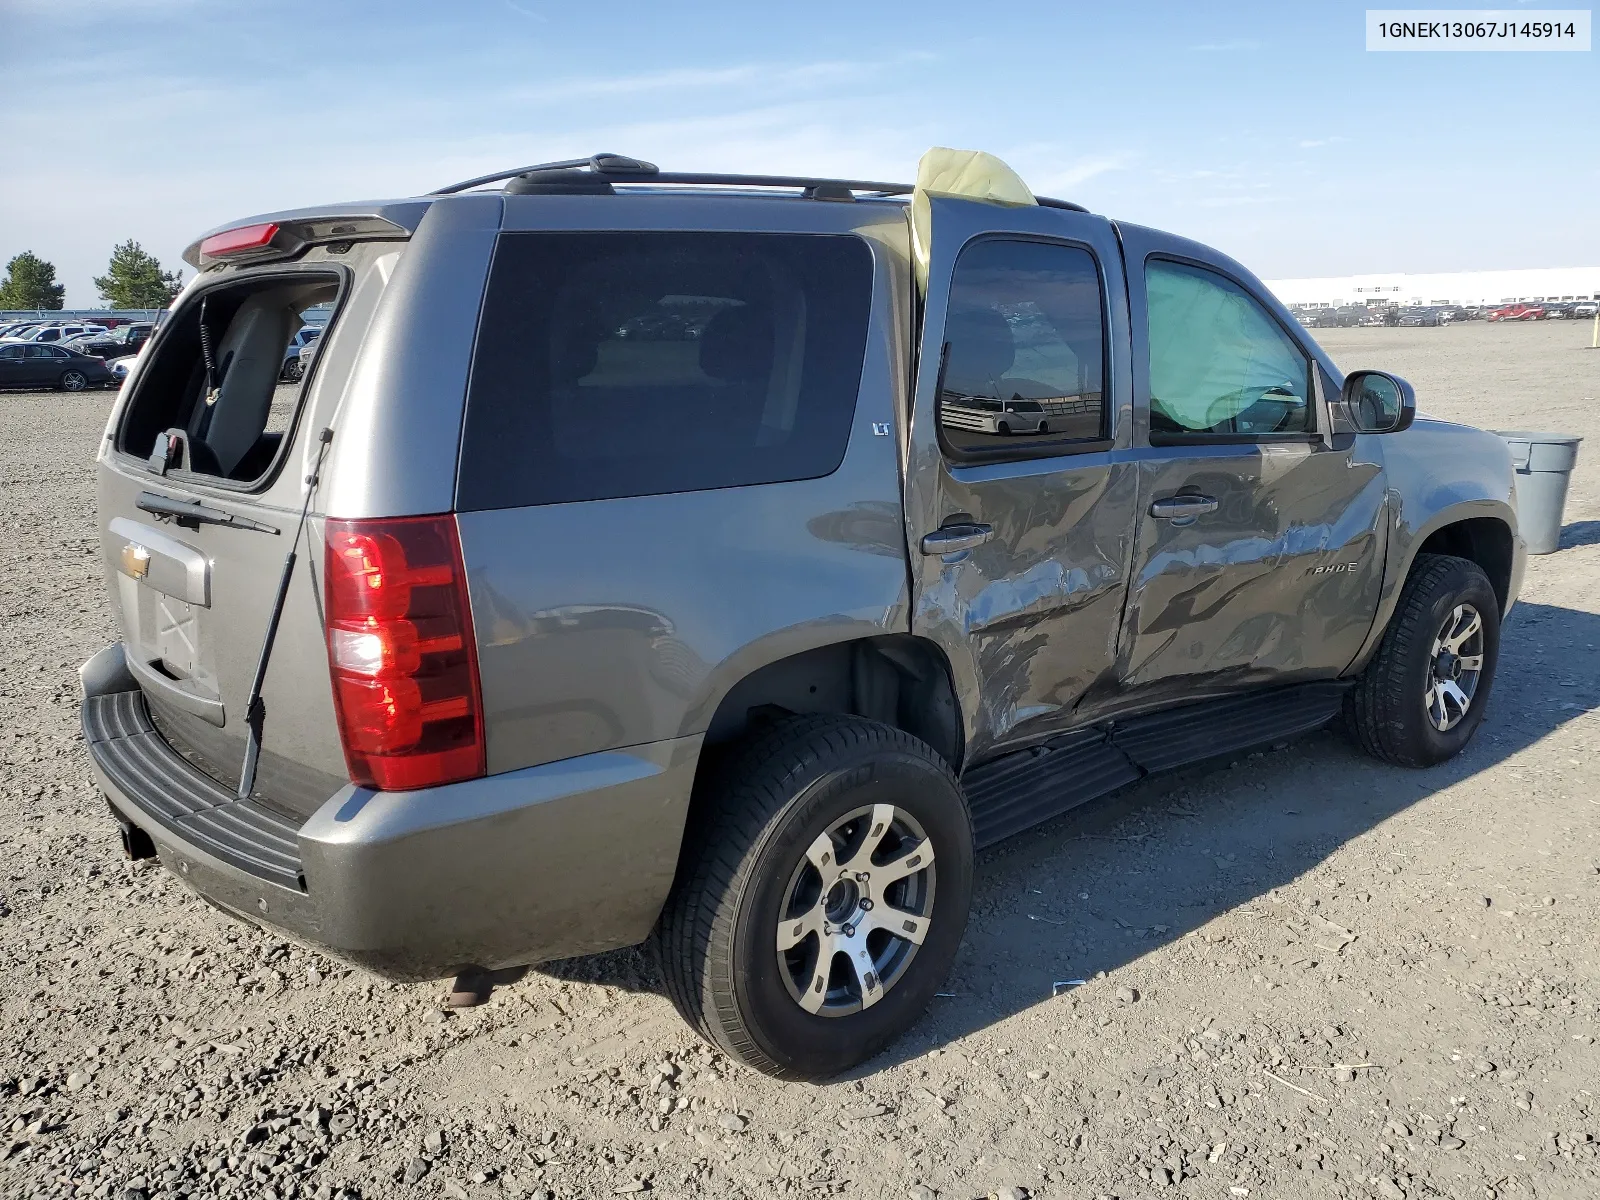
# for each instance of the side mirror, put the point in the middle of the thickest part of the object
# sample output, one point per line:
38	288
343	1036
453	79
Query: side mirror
1379	402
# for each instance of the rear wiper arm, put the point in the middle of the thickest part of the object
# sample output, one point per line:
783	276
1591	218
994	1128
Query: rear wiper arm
192	510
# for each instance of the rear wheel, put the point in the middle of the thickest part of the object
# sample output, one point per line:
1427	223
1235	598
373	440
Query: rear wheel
293	370
1422	697
74	381
823	893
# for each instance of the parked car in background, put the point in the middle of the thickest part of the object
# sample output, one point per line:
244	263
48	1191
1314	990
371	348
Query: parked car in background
1516	312
119	367
306	353
119	342
1556	310
294	366
38	365
52	333
11	329
1585	308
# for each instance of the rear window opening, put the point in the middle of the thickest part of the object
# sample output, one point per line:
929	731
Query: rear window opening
228	423
636	364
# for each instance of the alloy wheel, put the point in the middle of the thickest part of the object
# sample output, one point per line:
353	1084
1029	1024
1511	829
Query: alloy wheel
74	381
1456	664
857	908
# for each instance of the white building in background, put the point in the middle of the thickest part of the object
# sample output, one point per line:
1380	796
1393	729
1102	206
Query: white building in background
1457	287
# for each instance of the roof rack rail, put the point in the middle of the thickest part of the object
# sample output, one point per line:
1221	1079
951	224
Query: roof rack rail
617	168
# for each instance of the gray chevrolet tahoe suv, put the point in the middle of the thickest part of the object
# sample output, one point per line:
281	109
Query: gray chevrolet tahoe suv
646	592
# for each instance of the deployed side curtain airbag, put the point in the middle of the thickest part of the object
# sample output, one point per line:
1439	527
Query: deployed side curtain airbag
1213	352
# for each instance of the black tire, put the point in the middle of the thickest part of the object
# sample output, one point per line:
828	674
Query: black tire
1387	711
747	844
74	381
292	370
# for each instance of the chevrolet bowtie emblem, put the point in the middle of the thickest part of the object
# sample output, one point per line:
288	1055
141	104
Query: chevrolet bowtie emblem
135	560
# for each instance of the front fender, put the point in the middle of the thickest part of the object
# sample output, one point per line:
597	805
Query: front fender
1439	474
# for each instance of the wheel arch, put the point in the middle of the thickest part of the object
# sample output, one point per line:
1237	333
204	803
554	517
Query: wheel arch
897	678
1487	541
1482	531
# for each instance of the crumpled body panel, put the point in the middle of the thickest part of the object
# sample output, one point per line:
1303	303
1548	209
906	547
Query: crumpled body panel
1280	583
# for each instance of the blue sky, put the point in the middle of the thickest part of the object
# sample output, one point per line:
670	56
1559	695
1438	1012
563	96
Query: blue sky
1264	129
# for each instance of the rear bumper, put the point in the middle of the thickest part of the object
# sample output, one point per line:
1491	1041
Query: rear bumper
548	862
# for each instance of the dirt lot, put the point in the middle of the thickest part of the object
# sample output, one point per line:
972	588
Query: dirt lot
1308	975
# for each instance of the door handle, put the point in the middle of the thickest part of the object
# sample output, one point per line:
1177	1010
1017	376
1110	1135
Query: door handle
956	537
1179	507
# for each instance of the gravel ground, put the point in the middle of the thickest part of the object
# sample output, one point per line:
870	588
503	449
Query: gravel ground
1308	975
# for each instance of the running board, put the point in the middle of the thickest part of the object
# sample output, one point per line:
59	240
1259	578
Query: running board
1018	791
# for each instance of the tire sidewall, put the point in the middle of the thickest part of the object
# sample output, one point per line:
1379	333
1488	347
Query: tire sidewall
1463	586
80	385
817	1046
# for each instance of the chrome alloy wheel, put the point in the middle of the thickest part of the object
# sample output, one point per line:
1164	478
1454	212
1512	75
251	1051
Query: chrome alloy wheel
855	911
1457	665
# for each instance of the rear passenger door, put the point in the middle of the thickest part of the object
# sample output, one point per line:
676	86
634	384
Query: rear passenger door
1260	526
1020	490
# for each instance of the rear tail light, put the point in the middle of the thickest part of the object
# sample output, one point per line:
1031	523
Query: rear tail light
405	669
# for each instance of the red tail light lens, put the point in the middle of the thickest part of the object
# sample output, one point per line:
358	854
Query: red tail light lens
405	670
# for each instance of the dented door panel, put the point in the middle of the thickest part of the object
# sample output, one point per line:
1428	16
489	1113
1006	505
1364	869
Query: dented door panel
1279	584
1037	609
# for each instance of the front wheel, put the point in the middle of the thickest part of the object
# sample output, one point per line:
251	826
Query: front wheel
74	381
824	891
1422	697
292	370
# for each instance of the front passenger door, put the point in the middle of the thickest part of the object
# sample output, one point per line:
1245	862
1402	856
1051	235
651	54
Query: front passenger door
1260	530
11	366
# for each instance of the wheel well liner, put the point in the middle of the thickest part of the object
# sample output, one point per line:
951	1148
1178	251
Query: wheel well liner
1486	541
899	679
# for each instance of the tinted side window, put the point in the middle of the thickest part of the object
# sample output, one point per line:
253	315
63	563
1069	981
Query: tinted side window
1024	368
635	364
1219	363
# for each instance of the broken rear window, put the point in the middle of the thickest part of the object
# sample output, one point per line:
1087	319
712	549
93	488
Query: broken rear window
225	383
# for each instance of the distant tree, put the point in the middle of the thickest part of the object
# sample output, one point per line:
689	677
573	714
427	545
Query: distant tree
135	279
30	282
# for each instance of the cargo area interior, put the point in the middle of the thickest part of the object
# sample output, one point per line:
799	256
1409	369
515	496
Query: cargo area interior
213	400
